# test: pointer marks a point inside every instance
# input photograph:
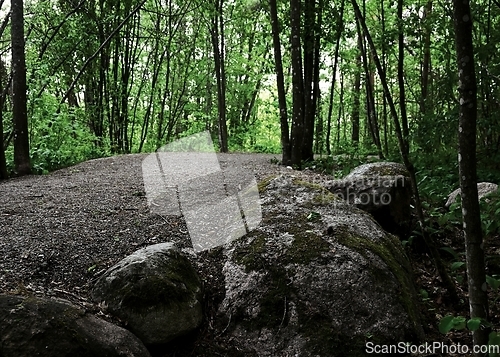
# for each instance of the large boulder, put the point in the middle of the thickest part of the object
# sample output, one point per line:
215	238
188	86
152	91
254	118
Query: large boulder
48	327
319	277
483	189
382	189
156	291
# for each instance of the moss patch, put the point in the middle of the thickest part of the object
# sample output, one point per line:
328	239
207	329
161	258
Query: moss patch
251	256
174	286
305	248
386	251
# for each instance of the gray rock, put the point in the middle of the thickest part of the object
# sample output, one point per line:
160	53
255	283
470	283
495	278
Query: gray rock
156	291
49	327
483	189
382	189
316	279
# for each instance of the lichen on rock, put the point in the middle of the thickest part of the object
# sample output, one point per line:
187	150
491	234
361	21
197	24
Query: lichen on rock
316	287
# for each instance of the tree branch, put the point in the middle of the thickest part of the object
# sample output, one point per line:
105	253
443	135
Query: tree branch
103	45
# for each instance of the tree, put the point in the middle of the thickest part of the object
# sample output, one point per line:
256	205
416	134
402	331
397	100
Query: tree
356	94
338	35
467	88
3	164
4	82
297	84
217	32
19	113
285	138
404	148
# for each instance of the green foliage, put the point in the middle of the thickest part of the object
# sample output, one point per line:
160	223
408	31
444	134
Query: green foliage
341	164
450	322
60	139
490	211
494	340
493	282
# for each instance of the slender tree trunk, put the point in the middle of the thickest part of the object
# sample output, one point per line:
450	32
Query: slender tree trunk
404	149
308	63
370	97
341	100
3	165
19	115
316	88
218	51
401	80
384	67
340	26
426	65
467	87
356	94
4	80
222	117
311	72
285	134
297	84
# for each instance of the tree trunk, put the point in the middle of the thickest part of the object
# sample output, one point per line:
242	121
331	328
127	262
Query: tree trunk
404	149
340	26
311	67
297	84
467	87
4	81
401	80
341	106
3	165
370	97
19	115
218	51
356	94
426	65
280	81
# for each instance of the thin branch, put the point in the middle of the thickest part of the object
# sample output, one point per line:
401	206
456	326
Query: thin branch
4	23
46	45
103	45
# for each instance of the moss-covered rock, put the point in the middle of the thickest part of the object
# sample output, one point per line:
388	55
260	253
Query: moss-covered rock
319	284
156	290
52	327
483	189
382	189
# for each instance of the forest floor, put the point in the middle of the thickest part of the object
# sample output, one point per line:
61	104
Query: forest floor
59	232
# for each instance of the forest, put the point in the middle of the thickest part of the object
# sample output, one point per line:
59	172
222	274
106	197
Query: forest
321	84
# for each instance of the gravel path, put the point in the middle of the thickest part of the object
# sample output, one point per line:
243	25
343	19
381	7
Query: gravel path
60	232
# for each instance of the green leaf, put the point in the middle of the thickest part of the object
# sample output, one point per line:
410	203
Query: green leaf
450	322
92	268
459	323
492	282
474	323
456	265
494	338
446	324
424	293
451	251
